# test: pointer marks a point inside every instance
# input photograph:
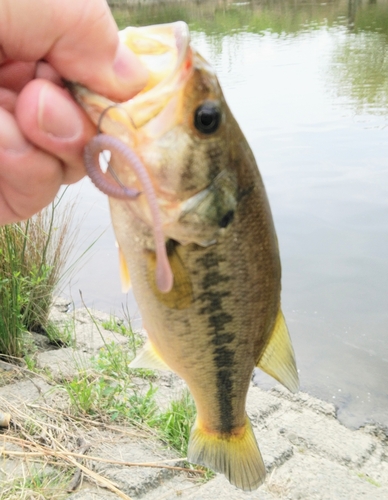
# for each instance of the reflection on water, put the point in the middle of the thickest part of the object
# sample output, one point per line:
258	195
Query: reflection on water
360	70
308	85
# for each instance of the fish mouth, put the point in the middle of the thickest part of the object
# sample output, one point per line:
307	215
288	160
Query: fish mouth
165	52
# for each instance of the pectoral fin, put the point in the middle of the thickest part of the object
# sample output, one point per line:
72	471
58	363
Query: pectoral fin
149	358
278	359
124	273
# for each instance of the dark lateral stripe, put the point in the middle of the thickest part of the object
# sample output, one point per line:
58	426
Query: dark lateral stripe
225	400
213	277
224	358
213	302
218	320
208	260
223	338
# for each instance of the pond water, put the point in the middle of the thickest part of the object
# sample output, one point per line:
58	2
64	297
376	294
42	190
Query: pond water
308	84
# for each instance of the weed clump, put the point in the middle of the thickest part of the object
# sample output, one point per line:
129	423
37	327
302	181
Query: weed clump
33	254
174	424
113	392
107	390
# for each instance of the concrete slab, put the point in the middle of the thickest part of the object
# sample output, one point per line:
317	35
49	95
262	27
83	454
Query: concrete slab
93	493
133	480
316	478
308	454
219	488
64	363
175	488
88	340
25	391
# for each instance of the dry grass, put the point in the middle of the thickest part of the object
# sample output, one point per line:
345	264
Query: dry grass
61	438
48	448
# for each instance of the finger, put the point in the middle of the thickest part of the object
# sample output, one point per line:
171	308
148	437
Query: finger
15	74
29	178
44	70
51	120
7	99
79	39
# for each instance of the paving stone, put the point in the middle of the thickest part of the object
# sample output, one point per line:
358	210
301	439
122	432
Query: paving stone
42	342
308	454
307	426
376	467
175	488
85	316
64	363
316	478
274	449
9	467
59	312
90	493
261	405
220	488
89	338
133	480
326	437
305	400
25	391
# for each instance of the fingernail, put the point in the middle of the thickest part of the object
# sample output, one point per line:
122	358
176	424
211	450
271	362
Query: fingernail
129	70
11	139
56	114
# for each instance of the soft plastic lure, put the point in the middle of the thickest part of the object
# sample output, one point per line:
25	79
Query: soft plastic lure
114	189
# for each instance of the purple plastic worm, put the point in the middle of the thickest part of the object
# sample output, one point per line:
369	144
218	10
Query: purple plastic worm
101	142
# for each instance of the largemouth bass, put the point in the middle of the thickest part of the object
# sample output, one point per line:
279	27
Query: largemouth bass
197	240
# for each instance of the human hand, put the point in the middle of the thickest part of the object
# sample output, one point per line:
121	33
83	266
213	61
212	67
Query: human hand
42	130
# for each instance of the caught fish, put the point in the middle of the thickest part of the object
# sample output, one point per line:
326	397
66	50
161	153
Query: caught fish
197	242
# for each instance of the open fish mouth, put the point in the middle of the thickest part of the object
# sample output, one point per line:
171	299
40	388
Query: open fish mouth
165	52
127	130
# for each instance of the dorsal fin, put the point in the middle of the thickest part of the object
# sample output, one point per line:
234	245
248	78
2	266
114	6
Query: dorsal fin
278	359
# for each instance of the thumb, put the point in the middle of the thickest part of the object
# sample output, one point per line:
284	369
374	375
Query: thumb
79	39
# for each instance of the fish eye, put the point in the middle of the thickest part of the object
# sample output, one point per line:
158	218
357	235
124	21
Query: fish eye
207	118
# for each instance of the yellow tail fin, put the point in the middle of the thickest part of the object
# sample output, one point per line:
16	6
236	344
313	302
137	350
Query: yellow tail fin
238	457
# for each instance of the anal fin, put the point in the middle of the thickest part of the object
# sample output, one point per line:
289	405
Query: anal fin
278	359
